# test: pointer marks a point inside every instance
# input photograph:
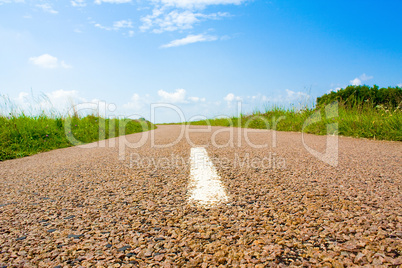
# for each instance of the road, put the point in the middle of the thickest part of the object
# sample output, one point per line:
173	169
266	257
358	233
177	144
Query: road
116	206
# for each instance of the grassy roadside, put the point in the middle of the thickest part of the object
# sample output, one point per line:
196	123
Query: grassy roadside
362	121
22	135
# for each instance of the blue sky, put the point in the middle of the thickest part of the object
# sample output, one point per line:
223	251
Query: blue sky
201	56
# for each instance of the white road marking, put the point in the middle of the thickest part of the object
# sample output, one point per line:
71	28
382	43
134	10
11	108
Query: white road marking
205	183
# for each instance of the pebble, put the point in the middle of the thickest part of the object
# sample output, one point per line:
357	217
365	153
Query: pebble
148	253
307	214
124	248
75	236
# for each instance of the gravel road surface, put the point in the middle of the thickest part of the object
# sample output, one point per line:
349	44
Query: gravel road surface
111	206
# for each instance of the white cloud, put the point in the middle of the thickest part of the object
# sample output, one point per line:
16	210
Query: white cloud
135	103
292	95
365	77
22	96
78	3
168	16
231	97
179	15
170	22
45	61
61	97
65	65
334	90
258	98
122	24
190	39
47	8
358	80
55	98
98	25
179	96
112	1
287	97
197	3
399	85
10	1
175	20
48	61
139	103
196	99
117	25
58	101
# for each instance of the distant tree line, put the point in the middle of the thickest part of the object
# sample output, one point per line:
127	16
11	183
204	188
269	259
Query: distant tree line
351	96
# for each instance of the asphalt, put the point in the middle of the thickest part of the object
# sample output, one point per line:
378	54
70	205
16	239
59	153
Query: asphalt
126	203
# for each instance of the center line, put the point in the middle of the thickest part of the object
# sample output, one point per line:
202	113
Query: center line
205	183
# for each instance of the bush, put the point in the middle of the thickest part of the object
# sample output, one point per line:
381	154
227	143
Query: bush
355	96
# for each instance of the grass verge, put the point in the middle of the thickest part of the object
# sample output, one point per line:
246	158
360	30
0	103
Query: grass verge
361	121
22	135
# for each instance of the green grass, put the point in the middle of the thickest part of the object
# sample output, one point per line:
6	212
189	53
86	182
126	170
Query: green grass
361	121
22	135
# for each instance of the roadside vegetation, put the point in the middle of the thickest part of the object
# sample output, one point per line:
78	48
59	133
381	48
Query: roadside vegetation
356	111
23	135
